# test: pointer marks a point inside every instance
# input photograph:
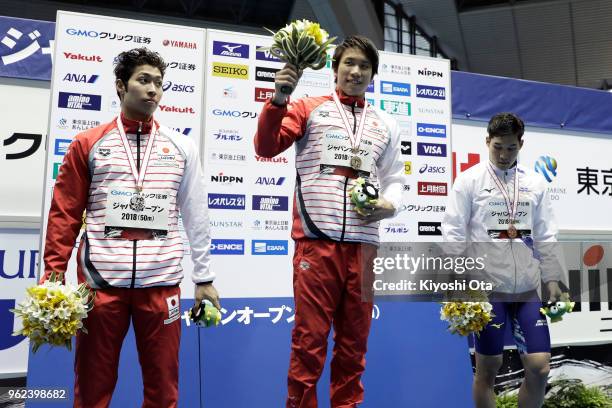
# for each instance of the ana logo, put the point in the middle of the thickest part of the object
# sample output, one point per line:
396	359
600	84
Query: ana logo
270	203
269	247
170	86
226	201
81	57
180	44
431	188
547	167
237	71
227	49
234	113
227	246
263	94
265	55
426	72
430	92
81	78
265	74
395	88
277	159
432	169
395	107
431	130
407	167
222	178
270	181
79	101
61	146
430	228
406	147
431	149
175	109
184	131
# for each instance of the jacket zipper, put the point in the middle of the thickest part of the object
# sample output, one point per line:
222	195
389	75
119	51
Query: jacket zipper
137	168
346	179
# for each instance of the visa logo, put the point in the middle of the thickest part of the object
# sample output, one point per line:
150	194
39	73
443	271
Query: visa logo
431	149
265	55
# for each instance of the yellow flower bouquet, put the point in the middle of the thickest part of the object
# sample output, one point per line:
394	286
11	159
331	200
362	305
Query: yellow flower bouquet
466	317
53	312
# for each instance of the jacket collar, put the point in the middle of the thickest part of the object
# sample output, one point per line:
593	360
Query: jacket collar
501	172
350	100
131	126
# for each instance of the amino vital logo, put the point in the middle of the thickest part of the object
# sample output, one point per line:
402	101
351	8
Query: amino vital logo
269	247
226	201
227	49
431	130
547	167
237	71
227	246
270	203
430	92
395	107
79	101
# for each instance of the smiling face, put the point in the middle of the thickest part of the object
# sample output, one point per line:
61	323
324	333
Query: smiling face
354	72
504	150
143	93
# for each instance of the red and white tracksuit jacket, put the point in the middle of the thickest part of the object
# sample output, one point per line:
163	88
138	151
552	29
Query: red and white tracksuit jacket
322	206
96	159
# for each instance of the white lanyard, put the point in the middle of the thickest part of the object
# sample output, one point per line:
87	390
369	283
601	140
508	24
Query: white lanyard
138	175
511	206
355	138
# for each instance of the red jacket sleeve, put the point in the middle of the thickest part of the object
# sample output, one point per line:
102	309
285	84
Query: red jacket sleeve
67	206
279	126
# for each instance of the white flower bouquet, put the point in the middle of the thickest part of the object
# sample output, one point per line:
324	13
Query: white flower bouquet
466	317
53	312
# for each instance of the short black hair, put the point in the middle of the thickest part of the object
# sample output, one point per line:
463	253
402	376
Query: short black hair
362	43
127	61
504	124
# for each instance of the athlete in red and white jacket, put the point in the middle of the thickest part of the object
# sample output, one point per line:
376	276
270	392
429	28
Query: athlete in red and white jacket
132	176
337	139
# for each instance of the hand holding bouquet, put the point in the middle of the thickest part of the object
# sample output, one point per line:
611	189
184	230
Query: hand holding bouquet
53	312
301	43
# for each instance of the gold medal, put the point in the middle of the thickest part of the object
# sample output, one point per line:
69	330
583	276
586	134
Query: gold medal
512	232
356	162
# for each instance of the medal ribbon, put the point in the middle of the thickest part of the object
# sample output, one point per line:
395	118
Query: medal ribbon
511	206
354	137
138	175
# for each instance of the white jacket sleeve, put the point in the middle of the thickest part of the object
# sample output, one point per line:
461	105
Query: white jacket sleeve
391	168
192	202
548	250
458	214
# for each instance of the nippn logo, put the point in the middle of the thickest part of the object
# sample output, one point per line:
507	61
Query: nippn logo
547	167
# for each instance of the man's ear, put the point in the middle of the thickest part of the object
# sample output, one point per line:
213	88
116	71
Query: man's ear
120	86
